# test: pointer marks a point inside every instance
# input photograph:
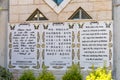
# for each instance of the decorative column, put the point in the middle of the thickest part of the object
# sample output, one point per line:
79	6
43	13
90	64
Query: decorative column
3	31
116	39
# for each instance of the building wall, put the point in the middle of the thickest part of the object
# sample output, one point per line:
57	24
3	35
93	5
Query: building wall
20	10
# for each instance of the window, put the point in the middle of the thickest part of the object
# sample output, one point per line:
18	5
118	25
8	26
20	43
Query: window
58	2
80	14
37	16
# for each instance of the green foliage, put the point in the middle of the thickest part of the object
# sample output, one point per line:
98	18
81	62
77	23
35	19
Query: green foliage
27	75
0	8
45	75
5	74
73	73
99	74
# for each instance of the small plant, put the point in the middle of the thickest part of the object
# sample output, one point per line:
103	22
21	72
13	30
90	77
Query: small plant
45	75
5	74
99	74
27	75
73	73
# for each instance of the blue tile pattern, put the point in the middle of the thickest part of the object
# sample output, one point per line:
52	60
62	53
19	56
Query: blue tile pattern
58	2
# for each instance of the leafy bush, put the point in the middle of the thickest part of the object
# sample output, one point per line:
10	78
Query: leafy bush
27	75
73	73
45	75
5	74
99	74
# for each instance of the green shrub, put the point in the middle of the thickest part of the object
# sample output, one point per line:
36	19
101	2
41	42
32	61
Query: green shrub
0	8
27	75
46	75
99	74
73	73
5	74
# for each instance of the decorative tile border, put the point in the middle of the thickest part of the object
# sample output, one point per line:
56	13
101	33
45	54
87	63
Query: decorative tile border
55	7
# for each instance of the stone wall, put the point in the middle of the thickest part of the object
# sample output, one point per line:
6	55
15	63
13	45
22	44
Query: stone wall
20	10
